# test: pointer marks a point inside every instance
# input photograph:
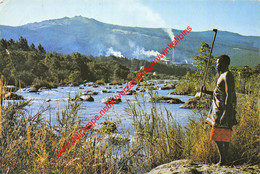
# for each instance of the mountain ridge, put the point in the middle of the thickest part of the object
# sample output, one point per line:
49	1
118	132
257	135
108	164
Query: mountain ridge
91	37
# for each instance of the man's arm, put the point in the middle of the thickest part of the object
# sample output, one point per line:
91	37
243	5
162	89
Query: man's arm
204	90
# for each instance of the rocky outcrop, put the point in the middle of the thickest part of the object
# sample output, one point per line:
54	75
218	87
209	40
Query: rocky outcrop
165	99
198	102
189	167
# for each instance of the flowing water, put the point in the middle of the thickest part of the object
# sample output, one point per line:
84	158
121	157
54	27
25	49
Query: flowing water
59	100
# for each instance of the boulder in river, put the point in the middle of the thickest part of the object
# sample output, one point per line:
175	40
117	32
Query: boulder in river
89	92
181	93
44	88
106	126
130	92
165	99
89	83
152	88
106	91
109	100
86	98
168	86
189	167
117	139
32	89
115	83
142	90
13	96
11	88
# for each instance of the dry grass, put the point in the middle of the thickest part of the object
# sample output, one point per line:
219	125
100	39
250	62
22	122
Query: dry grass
29	142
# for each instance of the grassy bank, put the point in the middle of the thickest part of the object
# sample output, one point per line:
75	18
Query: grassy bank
29	143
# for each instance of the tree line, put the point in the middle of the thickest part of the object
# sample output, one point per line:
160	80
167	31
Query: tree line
26	65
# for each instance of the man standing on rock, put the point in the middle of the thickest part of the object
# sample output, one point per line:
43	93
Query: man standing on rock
223	107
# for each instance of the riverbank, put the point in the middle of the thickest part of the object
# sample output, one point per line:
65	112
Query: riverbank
189	167
157	137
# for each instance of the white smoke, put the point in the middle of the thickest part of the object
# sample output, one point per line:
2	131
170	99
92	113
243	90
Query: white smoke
169	32
186	61
110	51
140	52
171	35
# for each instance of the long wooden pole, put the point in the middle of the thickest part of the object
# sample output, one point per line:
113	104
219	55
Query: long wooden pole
211	48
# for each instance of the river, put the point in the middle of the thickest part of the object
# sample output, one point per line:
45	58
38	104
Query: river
59	100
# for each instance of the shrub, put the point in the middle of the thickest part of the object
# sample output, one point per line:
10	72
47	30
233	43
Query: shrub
100	82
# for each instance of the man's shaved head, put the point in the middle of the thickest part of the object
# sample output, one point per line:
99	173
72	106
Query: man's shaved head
224	59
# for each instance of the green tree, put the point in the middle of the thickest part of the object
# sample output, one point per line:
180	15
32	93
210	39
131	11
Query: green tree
23	44
256	69
41	49
246	72
32	47
3	44
200	62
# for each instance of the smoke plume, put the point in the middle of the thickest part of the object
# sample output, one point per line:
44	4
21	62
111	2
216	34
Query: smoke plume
171	35
110	51
140	53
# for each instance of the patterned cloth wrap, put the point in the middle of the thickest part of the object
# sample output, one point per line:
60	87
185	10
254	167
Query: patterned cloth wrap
220	134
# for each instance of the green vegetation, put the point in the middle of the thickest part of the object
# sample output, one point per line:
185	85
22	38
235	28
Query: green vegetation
28	143
20	63
245	140
158	139
29	65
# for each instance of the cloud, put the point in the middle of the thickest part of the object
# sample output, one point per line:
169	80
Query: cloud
125	12
133	13
110	51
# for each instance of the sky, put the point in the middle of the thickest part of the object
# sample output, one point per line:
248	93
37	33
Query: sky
239	16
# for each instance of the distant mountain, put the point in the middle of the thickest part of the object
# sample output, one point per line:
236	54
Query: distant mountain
91	37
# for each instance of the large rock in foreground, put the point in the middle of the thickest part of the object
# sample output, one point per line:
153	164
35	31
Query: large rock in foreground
188	167
165	99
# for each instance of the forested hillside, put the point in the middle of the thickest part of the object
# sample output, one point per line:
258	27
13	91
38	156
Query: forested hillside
27	65
91	37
